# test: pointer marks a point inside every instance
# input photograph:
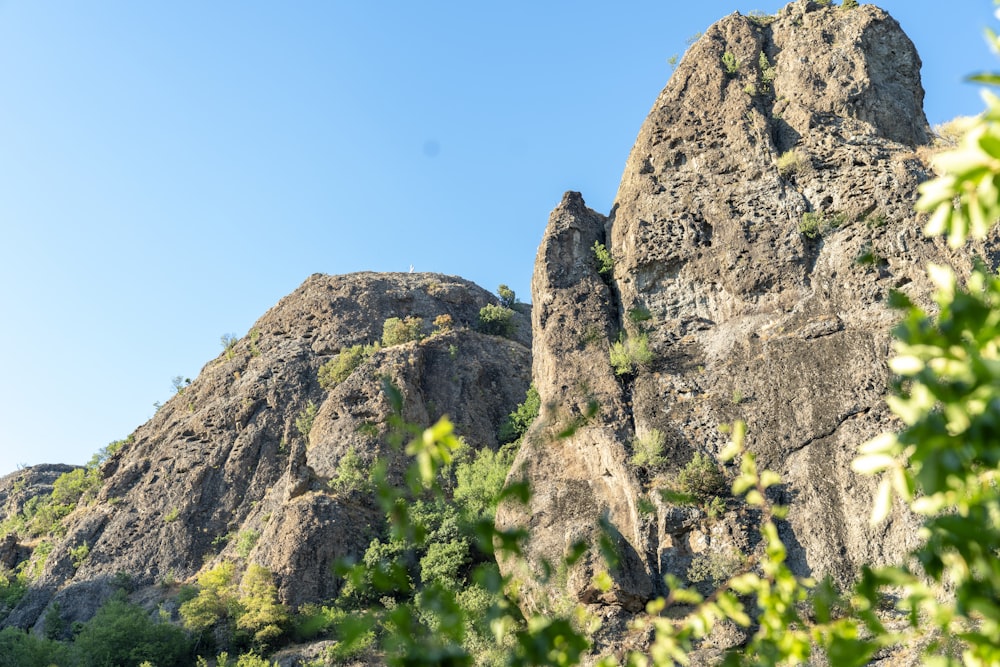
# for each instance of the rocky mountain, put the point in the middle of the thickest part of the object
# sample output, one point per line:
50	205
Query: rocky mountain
228	457
764	217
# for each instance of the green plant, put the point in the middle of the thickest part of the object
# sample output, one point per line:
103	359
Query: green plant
228	342
180	383
254	342
715	567
215	601
790	163
19	648
340	367
304	421
767	72
730	64
849	4
605	262
639	314
876	221
737	397
507	297
815	224
648	449
55	624
396	331
750	89
123	634
479	482
352	475
260	614
496	320
246	540
172	515
702	478
78	554
629	353
517	422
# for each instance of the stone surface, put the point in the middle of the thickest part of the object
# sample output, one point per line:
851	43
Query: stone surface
223	460
750	318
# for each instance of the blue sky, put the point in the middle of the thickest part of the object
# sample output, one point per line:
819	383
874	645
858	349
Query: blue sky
168	171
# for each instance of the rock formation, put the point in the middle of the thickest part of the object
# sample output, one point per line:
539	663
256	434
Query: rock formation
224	458
764	216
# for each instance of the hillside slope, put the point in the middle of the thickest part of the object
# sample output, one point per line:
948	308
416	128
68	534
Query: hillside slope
225	463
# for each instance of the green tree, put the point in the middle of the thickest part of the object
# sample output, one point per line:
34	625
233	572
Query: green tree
21	649
123	634
507	297
517	422
261	614
215	601
496	320
343	364
396	331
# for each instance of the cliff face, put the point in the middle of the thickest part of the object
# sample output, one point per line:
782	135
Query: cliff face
765	213
224	458
764	216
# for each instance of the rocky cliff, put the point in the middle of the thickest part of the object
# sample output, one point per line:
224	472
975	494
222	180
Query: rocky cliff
225	458
764	216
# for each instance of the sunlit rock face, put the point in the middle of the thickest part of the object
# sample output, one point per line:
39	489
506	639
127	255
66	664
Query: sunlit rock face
783	151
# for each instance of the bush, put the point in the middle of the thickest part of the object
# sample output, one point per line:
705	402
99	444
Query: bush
228	342
496	320
849	4
12	589
629	353
730	63
341	366
702	478
215	601
507	297
443	562
18	648
790	163
715	568
245	542
605	262
478	483
647	449
516	424
396	331
817	223
123	634
639	314
351	475
305	419
261	615
767	72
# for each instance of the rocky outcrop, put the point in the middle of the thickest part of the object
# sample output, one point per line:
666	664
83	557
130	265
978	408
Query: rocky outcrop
764	216
579	480
223	471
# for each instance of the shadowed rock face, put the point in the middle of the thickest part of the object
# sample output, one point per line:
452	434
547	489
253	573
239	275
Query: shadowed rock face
748	317
223	460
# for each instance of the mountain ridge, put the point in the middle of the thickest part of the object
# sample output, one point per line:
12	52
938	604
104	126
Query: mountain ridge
765	171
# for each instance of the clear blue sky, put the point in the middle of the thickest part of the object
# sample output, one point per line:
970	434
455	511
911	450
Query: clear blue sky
169	170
